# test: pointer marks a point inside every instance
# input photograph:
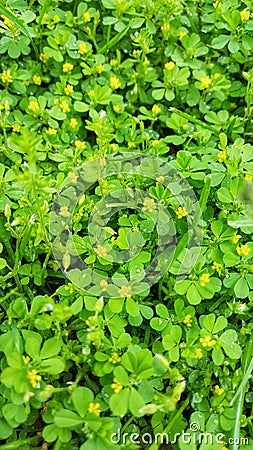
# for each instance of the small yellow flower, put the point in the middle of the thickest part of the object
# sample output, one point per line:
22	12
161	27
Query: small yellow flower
181	212
217	75
155	142
222	155
91	93
244	250
44	57
248	178
34	378
114	147
67	67
169	65
149	205
218	390
80	145
182	34
165	27
34	106
82	48
6	77
100	68
236	238
86	17
113	62
26	359
69	89
115	83
64	211
204	279
56	19
51	131
216	266
156	110
185	126
73	123
91	321
116	108
116	386
160	179
188	320
37	80
205	82
16	127
207	341
124	291
103	284
45	17
115	358
244	15
101	251
64	106
94	408
199	353
56	101
131	144
73	177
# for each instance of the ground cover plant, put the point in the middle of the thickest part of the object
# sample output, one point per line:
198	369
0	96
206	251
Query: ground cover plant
108	358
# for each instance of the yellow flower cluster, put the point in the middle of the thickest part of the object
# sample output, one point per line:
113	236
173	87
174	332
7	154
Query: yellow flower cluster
101	251
244	14
205	82
82	48
244	250
248	178
204	279
100	68
115	358
64	211
124	291
16	127
222	155
113	62
91	321
114	147
182	34
64	106
207	341
94	408
188	320
218	390
169	65
115	83
67	67
216	266
37	80
116	386
34	106
73	123
80	145
131	144
199	353
44	57
86	17
34	378
156	110
26	359
149	205
6	76
69	89
116	108
236	238
155	142
103	284
51	131
165	27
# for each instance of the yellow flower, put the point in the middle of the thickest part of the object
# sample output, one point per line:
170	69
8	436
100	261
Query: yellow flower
124	291
94	408
64	106
131	144
86	17
216	75
115	83
34	378
188	320
244	15
67	67
91	321
207	341
165	27
91	93
101	251
16	127
100	68
44	57
204	279
73	123
222	155
115	358
185	126
181	212
56	19
73	177
114	147
160	179
116	386
236	238
26	359
37	80
155	142
69	89
205	82
103	284
244	250
216	266
169	65
82	48
156	109
199	353
113	62
182	34
80	145
56	101
64	211
51	131
218	390
6	76
248	178
34	106
149	205
116	108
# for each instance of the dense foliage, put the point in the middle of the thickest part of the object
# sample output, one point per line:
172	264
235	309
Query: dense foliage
87	81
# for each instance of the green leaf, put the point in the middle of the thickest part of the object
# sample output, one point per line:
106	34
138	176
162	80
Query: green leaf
241	288
66	418
50	348
136	402
220	42
193	295
81	398
119	402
